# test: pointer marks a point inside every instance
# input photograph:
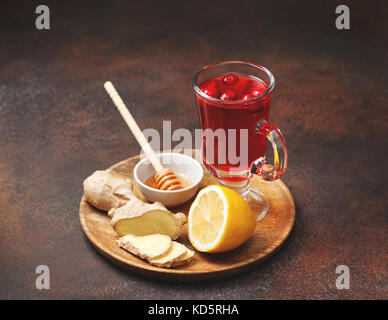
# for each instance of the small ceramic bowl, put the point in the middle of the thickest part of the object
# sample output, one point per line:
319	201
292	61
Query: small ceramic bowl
179	164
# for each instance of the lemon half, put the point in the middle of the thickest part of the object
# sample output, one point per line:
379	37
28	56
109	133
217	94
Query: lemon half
219	220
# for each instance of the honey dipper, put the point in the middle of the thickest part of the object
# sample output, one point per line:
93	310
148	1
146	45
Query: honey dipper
165	178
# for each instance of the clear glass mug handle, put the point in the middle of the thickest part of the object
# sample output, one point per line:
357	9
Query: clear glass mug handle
260	167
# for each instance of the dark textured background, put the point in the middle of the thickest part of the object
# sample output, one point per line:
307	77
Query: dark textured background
57	125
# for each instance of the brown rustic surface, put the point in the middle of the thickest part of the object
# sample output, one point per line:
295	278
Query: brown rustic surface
57	125
270	234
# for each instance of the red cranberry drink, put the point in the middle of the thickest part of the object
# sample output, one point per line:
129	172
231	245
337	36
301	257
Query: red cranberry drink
234	100
238	116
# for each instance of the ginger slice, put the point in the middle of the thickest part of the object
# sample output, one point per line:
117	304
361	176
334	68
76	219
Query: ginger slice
186	258
152	246
176	252
105	191
139	219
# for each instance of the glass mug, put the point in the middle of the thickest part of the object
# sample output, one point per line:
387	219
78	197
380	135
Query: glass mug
236	128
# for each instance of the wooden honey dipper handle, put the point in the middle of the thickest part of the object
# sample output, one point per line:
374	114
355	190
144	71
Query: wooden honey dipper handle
133	126
165	178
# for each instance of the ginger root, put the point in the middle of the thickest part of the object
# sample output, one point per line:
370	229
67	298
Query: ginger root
105	191
139	219
186	258
157	249
177	252
146	229
181	217
148	247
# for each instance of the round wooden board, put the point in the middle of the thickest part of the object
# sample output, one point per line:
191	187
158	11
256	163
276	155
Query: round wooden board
269	235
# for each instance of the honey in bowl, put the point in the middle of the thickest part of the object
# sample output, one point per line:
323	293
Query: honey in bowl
185	182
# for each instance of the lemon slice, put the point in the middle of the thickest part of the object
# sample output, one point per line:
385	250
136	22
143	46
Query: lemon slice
219	220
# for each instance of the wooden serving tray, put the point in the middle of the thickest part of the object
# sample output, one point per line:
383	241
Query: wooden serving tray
269	235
